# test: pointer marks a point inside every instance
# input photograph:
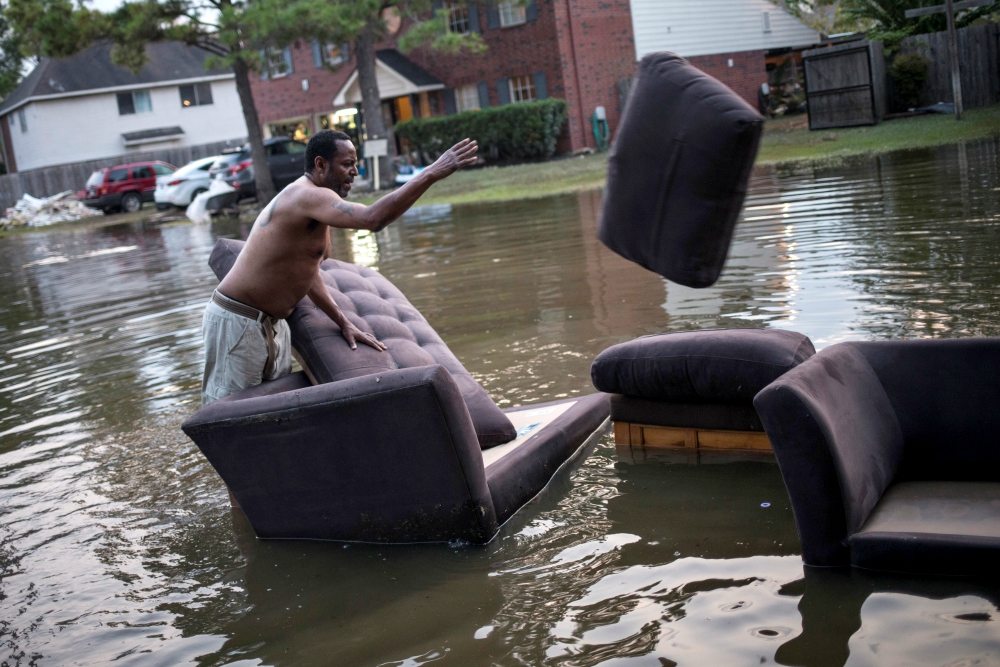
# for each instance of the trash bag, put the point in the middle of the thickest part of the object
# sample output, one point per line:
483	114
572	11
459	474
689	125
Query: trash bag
201	208
678	171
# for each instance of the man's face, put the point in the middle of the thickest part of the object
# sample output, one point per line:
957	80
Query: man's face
338	174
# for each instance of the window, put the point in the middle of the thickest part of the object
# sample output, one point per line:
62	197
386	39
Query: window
95	179
197	95
295	147
467	97
136	101
276	63
511	13
142	172
118	175
329	54
164	170
458	18
522	88
22	120
276	148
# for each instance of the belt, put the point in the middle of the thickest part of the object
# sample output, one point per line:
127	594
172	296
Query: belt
251	313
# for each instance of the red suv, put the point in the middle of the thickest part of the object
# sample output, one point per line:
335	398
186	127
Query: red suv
124	187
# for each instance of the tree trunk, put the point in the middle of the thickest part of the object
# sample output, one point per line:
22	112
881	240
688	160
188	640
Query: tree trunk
371	100
261	172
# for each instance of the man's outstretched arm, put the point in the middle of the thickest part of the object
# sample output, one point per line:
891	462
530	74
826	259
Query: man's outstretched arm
321	297
331	210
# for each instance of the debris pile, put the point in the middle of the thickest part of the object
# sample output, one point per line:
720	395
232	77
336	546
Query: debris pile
34	212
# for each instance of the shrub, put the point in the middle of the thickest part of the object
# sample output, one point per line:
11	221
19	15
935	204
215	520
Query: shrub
524	131
909	73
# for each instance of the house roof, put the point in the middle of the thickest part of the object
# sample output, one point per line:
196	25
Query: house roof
396	74
407	68
91	70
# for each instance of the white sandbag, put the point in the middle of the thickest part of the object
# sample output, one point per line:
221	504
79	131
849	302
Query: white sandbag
197	210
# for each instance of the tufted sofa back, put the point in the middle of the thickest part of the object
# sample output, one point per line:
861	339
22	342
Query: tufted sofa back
375	305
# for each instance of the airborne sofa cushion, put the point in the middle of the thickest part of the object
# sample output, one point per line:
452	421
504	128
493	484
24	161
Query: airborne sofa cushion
719	366
374	305
678	171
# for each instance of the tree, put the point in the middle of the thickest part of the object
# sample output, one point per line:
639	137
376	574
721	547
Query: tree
11	59
887	18
231	30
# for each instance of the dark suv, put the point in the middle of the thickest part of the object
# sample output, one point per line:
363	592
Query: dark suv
285	157
124	187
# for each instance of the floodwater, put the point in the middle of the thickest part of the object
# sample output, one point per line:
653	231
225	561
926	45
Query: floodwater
117	543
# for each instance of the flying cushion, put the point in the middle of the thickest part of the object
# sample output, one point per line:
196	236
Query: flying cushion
678	171
721	366
374	305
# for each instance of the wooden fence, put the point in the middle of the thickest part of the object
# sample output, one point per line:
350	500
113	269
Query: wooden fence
979	59
48	181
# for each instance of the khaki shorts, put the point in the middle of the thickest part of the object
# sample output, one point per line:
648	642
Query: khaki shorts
236	352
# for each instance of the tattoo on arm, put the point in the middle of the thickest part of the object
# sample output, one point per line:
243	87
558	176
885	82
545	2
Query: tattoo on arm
266	220
345	207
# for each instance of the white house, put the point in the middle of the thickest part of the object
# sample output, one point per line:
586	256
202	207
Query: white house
707	27
86	108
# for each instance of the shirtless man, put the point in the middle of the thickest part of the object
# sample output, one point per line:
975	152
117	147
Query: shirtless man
246	337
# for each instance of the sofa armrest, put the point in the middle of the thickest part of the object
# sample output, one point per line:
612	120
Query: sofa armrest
391	457
838	444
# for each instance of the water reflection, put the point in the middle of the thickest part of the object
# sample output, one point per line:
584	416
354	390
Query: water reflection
115	536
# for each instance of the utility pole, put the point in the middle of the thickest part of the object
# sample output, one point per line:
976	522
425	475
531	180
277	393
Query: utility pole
948	9
956	73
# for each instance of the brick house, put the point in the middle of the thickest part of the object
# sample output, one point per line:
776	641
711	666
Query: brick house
583	51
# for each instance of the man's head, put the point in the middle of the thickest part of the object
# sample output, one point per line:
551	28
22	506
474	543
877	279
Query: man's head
332	161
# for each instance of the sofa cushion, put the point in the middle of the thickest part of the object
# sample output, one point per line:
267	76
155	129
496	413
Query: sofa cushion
374	305
933	527
678	171
723	365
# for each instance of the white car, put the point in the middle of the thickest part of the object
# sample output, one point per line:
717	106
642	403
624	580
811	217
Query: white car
181	187
406	173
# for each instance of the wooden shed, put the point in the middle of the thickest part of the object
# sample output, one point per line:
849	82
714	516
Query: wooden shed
845	84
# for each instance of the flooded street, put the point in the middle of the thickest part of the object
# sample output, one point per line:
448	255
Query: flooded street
116	538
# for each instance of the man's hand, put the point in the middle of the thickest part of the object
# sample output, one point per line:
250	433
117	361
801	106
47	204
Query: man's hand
353	335
460	155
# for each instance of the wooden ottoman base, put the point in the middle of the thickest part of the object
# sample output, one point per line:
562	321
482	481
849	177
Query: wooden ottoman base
670	437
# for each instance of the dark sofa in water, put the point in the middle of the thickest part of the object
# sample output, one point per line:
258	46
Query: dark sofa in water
396	446
891	454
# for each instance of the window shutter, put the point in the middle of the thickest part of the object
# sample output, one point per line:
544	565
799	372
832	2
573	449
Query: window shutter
288	59
473	17
492	17
435	5
503	91
484	94
345	52
449	101
317	53
264	76
531	11
541	89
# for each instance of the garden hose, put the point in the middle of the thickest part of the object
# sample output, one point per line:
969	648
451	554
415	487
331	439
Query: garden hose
601	132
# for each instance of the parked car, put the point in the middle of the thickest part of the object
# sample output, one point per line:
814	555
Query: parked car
285	158
182	186
124	187
405	173
223	162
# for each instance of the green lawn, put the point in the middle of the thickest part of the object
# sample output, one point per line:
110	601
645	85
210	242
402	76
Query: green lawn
785	140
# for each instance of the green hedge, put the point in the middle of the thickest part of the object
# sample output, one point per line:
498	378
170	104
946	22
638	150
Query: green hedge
524	131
